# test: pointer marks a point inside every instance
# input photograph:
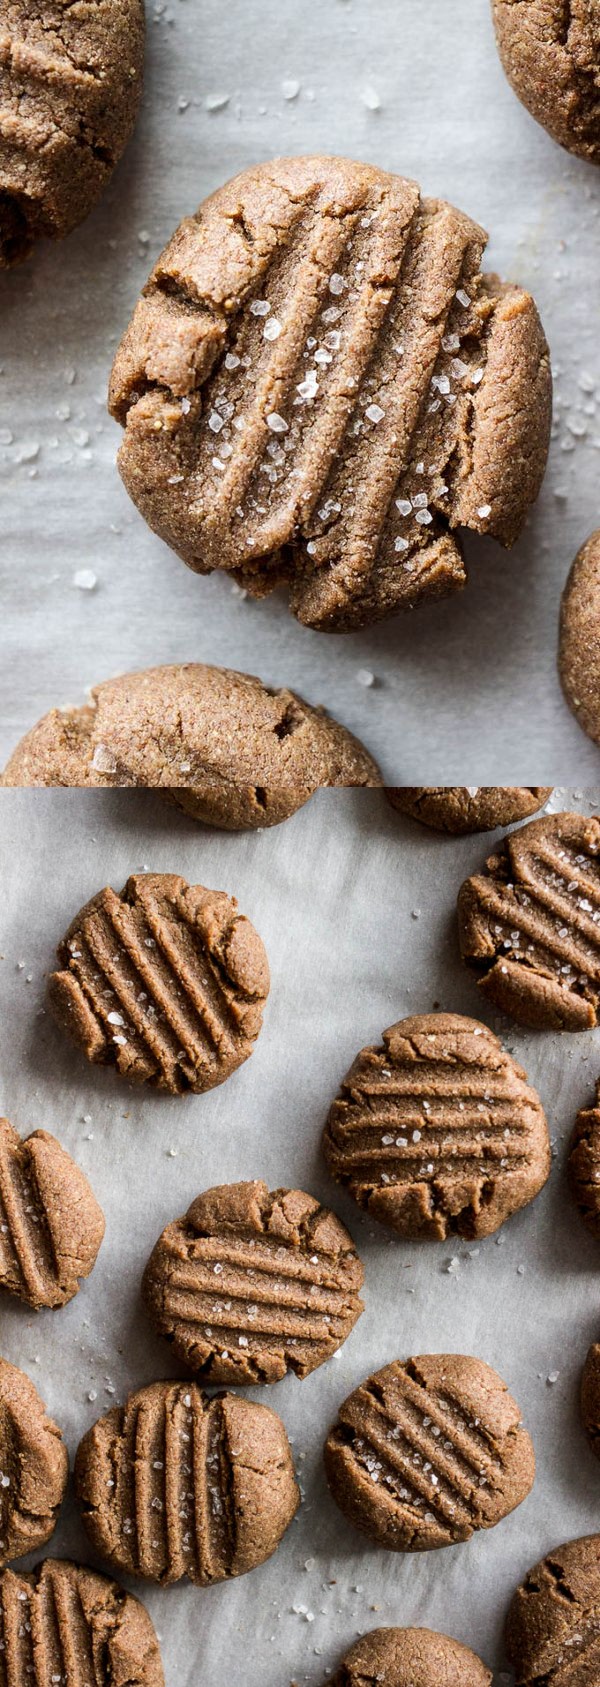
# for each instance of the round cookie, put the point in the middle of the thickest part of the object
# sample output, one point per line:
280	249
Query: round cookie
242	754
529	924
437	1132
579	640
250	1284
319	388
70	85
584	1164
166	982
459	809
551	55
553	1623
590	1398
428	1451
34	1467
52	1225
410	1657
177	1483
65	1623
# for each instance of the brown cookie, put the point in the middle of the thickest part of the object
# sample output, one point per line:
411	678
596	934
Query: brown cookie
70	84
590	1398
550	50
428	1451
33	1467
584	1164
250	1284
437	1132
319	388
51	1225
553	1623
529	924
579	642
410	1657
241	754
67	1624
459	809
176	1484
167	982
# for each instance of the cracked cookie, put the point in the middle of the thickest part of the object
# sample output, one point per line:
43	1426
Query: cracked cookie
589	1398
177	1484
553	1623
166	982
459	809
52	1226
551	54
428	1451
584	1164
70	84
529	924
65	1623
579	639
34	1467
250	1284
410	1657
319	388
229	750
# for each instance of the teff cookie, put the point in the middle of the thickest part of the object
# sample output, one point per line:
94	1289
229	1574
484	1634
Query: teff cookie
425	1453
459	809
70	84
437	1132
551	55
584	1164
176	1484
410	1657
553	1623
65	1623
590	1398
579	644
33	1466
319	388
529	924
231	751
167	982
250	1284
51	1226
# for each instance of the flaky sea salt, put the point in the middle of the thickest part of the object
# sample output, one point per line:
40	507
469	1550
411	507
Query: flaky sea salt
374	413
276	423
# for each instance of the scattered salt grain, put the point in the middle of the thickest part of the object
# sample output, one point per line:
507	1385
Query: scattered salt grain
276	423
365	677
85	579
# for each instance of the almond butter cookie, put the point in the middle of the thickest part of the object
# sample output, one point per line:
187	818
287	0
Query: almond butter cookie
551	54
553	1624
410	1657
579	642
459	809
51	1226
65	1623
584	1164
34	1467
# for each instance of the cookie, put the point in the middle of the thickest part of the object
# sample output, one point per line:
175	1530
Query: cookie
579	639
51	1225
177	1484
553	1623
529	924
590	1398
319	388
166	982
33	1467
551	54
437	1132
410	1657
70	85
459	809
584	1164
250	1284
65	1623
425	1453
230	751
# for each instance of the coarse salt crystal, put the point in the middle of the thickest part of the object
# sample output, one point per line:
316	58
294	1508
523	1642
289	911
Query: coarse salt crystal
463	298
272	329
260	307
85	579
484	511
276	423
374	413
336	283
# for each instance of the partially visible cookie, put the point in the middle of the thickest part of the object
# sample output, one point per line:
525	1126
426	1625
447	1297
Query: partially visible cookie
590	1398
410	1657
529	924
551	54
34	1466
467	808
66	1624
426	1452
176	1483
579	642
250	1284
51	1224
437	1132
553	1623
584	1164
166	982
70	84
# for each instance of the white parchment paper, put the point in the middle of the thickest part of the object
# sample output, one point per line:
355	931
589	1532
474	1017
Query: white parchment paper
463	690
356	907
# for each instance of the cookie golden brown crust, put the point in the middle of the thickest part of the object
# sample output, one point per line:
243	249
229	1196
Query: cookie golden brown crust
410	1657
65	1623
553	1623
590	1398
52	1225
166	982
428	1451
33	1467
70	84
551	55
459	809
250	1284
529	924
177	1484
319	388
579	640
